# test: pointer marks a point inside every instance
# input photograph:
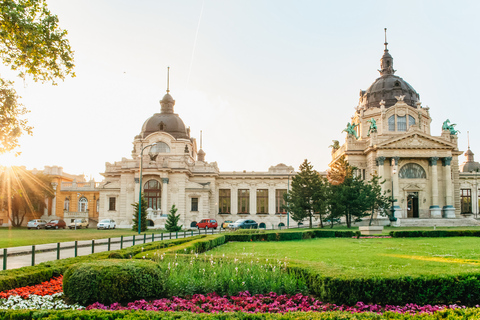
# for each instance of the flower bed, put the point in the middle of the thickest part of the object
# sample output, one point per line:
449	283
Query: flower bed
269	303
49	295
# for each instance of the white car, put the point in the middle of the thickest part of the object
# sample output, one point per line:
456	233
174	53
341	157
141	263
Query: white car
106	224
36	224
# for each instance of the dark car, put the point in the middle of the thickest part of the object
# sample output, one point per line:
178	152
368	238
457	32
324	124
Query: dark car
243	224
56	224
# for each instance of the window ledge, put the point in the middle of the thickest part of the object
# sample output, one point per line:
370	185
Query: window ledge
262	213
224	213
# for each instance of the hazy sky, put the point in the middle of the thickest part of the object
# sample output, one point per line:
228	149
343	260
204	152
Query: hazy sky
268	82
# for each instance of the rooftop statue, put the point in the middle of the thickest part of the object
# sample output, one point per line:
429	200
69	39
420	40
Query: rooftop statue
350	129
450	127
373	126
335	145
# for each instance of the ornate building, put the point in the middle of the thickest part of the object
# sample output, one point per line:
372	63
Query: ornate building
389	136
175	172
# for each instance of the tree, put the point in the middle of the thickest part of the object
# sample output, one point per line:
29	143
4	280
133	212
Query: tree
32	43
22	192
377	200
172	220
307	195
143	216
350	196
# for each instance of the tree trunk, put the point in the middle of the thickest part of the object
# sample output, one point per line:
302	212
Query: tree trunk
371	217
321	222
347	218
311	222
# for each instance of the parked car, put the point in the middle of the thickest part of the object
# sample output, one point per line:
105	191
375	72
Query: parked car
207	224
79	223
56	224
243	224
36	224
106	224
226	223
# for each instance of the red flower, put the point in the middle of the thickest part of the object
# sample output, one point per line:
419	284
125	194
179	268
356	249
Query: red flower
50	287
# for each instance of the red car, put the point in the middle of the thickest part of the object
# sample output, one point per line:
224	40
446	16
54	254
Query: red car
207	224
56	224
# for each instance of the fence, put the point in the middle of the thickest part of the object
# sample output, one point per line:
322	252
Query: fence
99	245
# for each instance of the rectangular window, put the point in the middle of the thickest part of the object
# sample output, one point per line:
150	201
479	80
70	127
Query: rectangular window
243	201
194	204
401	123
224	201
279	201
391	123
466	201
262	201
111	203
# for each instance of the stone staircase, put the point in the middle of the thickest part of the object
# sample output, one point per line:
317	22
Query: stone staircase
460	222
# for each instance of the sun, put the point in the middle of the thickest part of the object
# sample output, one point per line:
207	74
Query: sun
8	160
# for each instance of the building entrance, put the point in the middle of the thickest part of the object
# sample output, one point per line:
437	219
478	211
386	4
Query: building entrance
412	205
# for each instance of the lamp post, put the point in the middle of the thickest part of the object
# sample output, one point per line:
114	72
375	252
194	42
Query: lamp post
140	189
288	190
393	200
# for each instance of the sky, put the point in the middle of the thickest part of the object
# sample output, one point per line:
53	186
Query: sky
267	82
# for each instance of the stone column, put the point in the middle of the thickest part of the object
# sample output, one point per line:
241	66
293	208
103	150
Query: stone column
164	195
253	201
396	187
271	200
435	211
234	200
448	209
54	201
381	169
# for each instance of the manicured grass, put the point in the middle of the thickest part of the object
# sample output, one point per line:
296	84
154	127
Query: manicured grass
17	237
355	258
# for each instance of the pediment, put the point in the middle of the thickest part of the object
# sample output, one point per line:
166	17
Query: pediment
416	140
413	187
198	185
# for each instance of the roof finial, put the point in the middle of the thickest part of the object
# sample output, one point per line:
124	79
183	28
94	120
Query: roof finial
200	139
168	79
468	139
386	43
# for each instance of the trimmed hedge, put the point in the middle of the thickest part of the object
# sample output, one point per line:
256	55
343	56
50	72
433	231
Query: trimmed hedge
287	235
28	276
457	314
110	281
199	245
441	289
435	233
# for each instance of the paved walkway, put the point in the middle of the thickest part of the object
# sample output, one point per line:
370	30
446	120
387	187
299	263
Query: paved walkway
18	257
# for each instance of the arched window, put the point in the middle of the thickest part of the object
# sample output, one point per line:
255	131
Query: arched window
262	225
82	204
412	171
391	123
281	224
66	204
402	123
411	120
193	224
152	193
160	147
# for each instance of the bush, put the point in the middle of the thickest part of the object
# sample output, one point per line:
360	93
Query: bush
445	289
112	281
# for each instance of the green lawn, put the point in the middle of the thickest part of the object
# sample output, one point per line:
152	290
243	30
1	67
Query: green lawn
368	257
23	237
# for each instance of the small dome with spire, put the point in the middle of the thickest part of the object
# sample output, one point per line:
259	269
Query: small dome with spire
470	165
166	120
388	86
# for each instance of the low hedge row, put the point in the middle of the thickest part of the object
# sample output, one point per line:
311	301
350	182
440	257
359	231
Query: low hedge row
423	290
198	245
286	236
28	276
457	314
435	233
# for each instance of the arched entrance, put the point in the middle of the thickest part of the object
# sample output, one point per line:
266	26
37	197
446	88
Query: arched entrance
150	223
193	224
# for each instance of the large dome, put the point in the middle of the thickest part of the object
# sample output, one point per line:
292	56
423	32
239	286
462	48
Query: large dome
387	87
166	121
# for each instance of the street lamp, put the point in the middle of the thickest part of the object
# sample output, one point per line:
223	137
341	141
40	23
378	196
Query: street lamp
393	200
288	190
140	191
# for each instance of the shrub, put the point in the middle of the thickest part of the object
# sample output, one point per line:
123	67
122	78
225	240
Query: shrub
112	281
435	233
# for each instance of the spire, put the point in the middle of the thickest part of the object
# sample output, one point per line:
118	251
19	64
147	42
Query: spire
468	139
168	77
201	153
167	101
201	140
386	62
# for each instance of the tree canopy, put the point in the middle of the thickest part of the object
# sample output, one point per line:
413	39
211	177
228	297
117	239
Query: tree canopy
33	44
307	194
